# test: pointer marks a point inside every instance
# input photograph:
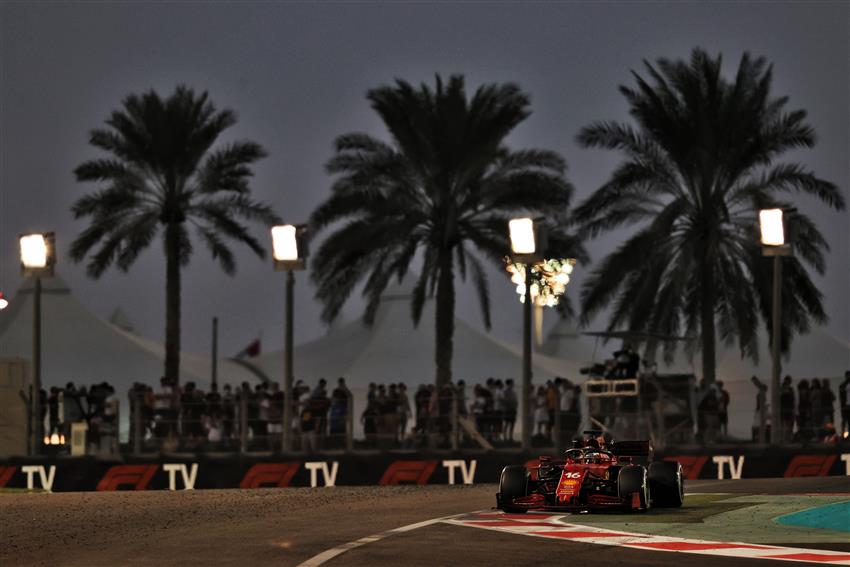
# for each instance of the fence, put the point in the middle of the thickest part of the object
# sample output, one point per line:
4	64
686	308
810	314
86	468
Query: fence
240	424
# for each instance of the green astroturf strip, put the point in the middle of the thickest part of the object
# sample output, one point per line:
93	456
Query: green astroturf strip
831	517
749	518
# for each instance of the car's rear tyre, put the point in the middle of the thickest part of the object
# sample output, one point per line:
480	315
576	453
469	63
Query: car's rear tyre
513	484
666	484
630	480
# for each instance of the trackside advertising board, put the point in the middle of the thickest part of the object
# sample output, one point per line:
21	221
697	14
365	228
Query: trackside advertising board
67	474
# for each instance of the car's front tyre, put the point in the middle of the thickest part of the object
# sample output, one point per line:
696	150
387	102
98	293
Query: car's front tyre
512	484
666	483
630	480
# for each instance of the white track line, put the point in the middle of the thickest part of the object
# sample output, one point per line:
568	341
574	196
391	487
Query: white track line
329	554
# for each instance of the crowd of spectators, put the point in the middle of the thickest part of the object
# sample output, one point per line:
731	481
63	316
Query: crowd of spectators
491	409
251	417
809	413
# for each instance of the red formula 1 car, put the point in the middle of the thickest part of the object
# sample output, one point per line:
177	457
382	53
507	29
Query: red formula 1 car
593	475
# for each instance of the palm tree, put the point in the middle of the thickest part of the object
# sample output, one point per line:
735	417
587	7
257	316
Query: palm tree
163	174
699	164
445	184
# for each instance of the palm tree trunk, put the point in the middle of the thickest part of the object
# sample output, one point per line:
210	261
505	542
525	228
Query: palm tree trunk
707	325
172	302
445	318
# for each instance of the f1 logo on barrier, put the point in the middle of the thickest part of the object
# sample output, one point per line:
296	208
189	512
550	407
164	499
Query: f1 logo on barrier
811	465
408	472
134	477
269	474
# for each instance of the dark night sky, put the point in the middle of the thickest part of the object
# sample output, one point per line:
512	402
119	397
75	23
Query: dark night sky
297	73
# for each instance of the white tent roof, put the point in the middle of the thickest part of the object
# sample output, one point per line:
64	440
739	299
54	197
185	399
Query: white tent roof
393	350
76	346
79	347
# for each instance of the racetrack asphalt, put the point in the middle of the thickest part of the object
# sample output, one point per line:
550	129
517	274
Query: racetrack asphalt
291	525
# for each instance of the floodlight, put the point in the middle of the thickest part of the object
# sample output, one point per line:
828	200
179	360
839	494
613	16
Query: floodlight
772	229
522	236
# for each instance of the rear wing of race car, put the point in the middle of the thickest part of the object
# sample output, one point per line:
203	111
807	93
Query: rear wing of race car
632	449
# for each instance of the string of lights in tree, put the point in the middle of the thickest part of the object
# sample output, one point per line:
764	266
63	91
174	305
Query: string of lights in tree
549	279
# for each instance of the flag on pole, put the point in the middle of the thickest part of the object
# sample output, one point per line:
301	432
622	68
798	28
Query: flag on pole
250	351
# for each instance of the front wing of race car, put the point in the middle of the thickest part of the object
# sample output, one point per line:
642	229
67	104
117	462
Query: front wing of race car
574	491
539	501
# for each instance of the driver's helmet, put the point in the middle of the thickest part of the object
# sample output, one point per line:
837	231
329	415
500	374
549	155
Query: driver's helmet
592	444
595	457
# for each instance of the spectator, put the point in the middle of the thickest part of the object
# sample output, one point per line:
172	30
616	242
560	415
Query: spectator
708	410
404	410
565	406
762	411
461	392
541	412
213	402
804	411
827	402
786	408
723	409
165	409
844	403
190	414
306	420
627	362
369	419
263	409
109	421
392	409
510	403
817	403
214	432
479	404
252	409
275	414
498	409
228	412
487	415
72	408
421	402
320	403
444	409
339	408
137	396
551	407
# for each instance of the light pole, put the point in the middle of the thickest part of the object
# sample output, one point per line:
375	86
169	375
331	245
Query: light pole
773	244
525	248
37	259
290	254
541	282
